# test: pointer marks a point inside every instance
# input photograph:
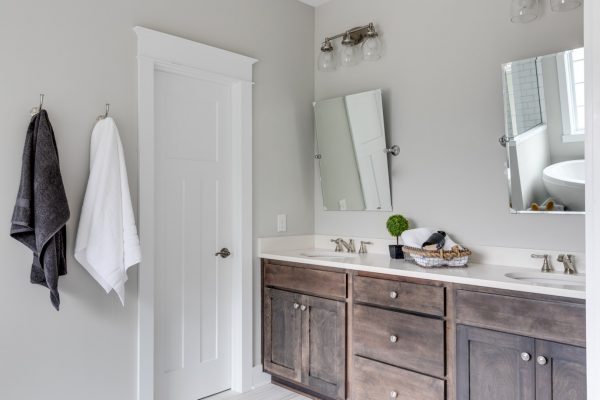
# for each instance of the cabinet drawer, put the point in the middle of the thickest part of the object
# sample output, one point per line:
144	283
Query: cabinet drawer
376	381
401	295
317	282
405	340
544	319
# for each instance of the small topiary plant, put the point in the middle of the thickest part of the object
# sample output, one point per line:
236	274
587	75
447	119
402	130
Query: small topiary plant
396	224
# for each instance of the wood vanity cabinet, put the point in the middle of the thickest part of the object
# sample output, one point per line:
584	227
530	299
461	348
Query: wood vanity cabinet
338	334
304	336
496	364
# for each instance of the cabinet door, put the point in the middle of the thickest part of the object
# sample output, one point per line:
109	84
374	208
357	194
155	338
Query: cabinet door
494	366
282	334
560	371
324	346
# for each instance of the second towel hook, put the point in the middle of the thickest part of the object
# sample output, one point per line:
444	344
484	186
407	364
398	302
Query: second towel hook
105	115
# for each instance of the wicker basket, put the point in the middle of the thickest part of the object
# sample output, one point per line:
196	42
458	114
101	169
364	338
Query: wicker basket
457	257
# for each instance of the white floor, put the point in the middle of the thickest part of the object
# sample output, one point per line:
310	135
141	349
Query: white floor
266	392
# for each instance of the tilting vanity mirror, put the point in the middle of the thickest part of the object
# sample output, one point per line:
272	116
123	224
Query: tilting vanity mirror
544	106
352	153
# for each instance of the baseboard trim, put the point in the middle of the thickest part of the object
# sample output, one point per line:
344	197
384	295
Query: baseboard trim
259	378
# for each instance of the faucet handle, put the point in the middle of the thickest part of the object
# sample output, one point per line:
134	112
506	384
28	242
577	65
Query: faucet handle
546	267
351	248
338	244
363	247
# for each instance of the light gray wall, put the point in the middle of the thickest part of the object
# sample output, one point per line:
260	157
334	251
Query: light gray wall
442	86
81	54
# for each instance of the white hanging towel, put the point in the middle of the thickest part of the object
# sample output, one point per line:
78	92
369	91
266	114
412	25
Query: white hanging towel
107	241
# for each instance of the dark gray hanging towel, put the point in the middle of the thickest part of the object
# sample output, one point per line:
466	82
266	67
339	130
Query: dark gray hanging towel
41	211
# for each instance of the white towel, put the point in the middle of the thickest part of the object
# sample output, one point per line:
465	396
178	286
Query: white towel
416	237
107	240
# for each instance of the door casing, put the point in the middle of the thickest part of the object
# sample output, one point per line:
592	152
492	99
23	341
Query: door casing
160	51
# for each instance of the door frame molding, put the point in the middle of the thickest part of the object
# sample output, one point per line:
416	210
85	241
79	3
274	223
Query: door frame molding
592	188
160	51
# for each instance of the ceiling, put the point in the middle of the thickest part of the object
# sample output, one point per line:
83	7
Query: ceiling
314	3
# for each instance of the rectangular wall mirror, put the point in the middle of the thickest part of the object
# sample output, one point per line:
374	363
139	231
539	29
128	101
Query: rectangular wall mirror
544	105
351	146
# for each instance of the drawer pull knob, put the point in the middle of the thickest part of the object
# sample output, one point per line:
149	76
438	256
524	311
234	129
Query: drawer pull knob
296	306
525	356
393	394
393	294
542	360
393	338
302	307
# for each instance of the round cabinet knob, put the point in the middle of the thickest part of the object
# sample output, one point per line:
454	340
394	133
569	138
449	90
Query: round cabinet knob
393	394
525	356
542	360
393	338
296	306
302	307
393	295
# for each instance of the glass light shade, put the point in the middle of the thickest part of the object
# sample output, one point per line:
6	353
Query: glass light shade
327	61
348	56
523	11
564	5
372	48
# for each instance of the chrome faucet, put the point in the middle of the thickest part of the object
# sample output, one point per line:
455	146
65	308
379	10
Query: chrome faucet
568	261
340	244
546	267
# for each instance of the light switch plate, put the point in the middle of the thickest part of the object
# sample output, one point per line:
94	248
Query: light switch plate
282	223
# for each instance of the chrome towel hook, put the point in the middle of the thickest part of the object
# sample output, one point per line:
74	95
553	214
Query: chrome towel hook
36	110
100	117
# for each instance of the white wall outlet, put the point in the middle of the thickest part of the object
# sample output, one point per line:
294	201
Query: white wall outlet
282	223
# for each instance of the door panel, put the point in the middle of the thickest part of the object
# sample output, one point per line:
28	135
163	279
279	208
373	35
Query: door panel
490	366
282	331
193	221
324	346
563	377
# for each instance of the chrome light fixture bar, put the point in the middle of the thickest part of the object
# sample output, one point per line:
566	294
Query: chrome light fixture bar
349	54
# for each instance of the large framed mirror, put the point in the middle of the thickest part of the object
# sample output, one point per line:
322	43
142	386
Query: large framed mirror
544	103
351	149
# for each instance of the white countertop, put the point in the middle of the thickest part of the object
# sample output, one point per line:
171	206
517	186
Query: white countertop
492	276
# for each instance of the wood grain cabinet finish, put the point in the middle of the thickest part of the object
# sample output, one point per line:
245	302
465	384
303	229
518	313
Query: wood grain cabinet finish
498	366
377	381
311	281
552	320
561	375
490	365
305	341
400	295
404	340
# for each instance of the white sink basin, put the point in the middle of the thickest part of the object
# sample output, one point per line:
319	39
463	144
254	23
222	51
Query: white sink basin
550	279
327	254
565	181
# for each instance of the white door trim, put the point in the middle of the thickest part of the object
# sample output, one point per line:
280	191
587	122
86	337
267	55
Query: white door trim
157	50
592	200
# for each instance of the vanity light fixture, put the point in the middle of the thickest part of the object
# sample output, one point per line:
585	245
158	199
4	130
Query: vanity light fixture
523	11
349	54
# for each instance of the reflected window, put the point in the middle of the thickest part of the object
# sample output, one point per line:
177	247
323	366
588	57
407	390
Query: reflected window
571	67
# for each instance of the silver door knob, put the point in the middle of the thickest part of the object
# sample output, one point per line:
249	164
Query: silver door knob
393	338
393	394
296	306
542	360
224	253
302	307
525	356
393	295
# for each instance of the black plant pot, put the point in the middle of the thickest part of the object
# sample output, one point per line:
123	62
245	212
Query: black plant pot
396	251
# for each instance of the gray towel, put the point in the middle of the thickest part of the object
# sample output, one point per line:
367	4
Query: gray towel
41	210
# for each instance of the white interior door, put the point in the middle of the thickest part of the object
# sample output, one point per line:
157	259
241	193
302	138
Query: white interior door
193	192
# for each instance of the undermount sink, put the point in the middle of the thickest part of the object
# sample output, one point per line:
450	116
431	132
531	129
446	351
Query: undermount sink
327	254
550	279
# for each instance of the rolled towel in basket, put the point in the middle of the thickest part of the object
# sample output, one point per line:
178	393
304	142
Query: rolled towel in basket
416	237
436	241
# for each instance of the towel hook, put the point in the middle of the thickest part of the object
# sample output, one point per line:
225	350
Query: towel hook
36	110
100	117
